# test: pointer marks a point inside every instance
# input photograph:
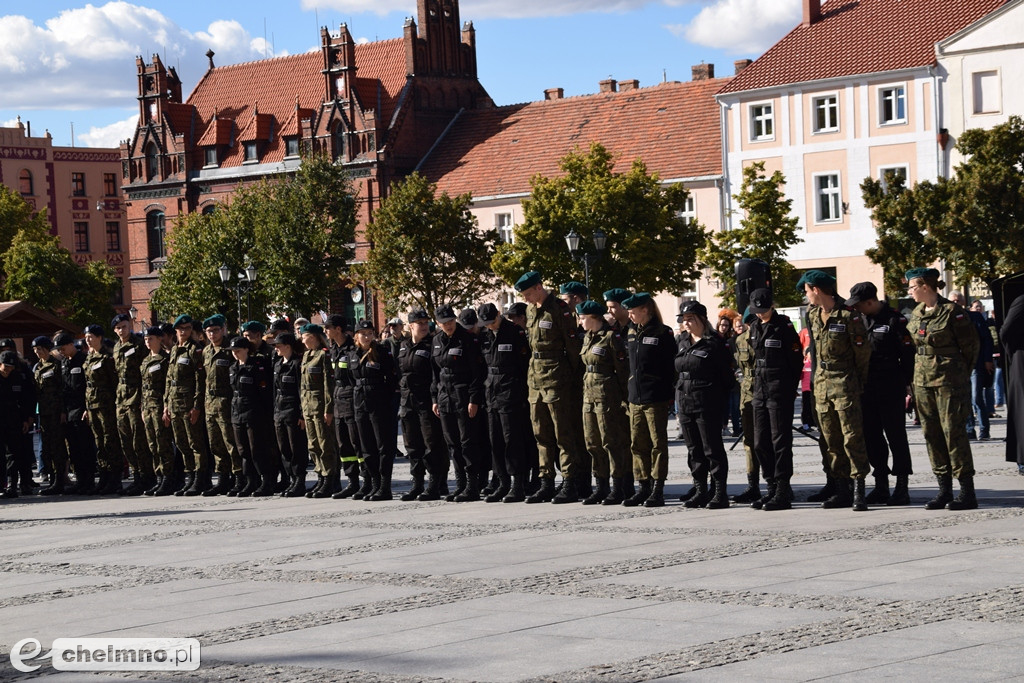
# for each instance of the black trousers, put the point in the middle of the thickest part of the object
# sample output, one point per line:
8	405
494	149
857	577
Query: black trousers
346	434
377	440
508	457
12	444
461	434
424	444
81	449
773	432
885	429
253	441
531	454
706	454
291	440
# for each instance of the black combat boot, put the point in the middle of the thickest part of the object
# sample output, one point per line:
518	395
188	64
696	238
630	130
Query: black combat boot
600	493
151	483
316	487
113	485
842	496
167	486
720	497
826	492
783	498
657	497
252	480
544	493
367	486
56	488
498	494
569	493
945	494
900	492
471	492
329	486
297	488
751	493
416	490
643	493
460	486
493	485
86	485
516	493
200	483
584	489
383	491
691	492
966	499
616	494
225	483
859	502
880	494
375	484
433	491
701	497
350	490
773	489
136	488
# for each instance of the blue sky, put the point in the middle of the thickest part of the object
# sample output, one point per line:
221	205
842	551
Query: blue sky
75	63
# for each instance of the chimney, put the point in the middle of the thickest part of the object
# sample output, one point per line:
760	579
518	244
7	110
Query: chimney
630	84
812	11
741	64
607	85
554	94
702	72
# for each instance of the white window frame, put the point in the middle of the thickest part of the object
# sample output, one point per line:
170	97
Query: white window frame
882	90
975	77
837	191
506	231
251	146
207	161
893	167
689	212
757	120
815	101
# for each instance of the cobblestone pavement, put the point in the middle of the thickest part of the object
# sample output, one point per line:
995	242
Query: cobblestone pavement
304	590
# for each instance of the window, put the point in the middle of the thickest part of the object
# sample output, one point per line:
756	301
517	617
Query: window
826	114
894	105
210	156
251	153
339	143
689	212
152	162
898	171
503	224
291	147
117	298
829	201
113	236
25	182
78	184
209	208
987	96
762	122
110	184
155	235
81	237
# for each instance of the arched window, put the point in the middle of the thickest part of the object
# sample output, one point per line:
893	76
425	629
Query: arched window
25	182
152	162
155	233
340	151
209	208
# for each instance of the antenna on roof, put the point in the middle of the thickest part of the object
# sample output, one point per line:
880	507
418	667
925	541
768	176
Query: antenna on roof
264	37
664	75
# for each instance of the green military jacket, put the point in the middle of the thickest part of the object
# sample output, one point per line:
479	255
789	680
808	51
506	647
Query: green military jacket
745	366
842	354
555	363
605	366
100	380
947	344
185	379
316	388
49	387
127	361
217	362
154	380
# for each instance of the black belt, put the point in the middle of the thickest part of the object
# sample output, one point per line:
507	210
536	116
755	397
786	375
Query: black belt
495	371
368	381
832	366
595	370
546	355
928	351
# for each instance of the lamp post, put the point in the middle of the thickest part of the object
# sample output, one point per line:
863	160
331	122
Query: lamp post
587	257
244	283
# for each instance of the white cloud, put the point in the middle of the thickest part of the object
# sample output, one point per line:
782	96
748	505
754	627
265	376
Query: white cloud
742	26
84	58
112	135
480	9
13	123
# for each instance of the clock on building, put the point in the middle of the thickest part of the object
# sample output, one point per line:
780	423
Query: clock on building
356	293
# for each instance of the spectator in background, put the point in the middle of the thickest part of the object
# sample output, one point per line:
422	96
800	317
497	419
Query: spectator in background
807	419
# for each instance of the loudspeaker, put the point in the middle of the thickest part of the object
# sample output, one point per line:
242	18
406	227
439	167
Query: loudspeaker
1004	291
751	274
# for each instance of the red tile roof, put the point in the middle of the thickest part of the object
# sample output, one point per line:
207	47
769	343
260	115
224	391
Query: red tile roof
673	127
861	37
218	132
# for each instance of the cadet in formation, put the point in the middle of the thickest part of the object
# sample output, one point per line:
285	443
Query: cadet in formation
100	388
128	355
17	411
315	397
50	397
217	361
75	428
745	378
346	434
183	399
158	431
252	409
373	371
288	424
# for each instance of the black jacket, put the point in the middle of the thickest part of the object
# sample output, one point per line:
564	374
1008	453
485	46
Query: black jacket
705	374
375	380
652	350
417	373
459	371
287	405
778	356
252	386
892	350
343	382
507	356
73	375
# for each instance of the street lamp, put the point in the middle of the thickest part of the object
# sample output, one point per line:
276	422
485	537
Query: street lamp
133	312
244	283
585	256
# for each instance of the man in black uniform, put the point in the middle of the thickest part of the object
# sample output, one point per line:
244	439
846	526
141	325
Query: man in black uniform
345	432
471	323
17	411
75	428
24	455
884	400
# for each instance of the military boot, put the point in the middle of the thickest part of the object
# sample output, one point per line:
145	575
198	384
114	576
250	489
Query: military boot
544	493
460	486
238	483
720	497
225	483
945	494
859	502
657	497
367	486
570	492
701	497
751	493
383	491
600	493
690	493
643	493
493	485
152	483
842	497
783	498
966	499
616	494
57	487
86	485
900	492
375	484
199	484
471	492
350	490
167	486
316	487
416	490
432	491
136	488
583	487
113	485
498	494
773	489
329	487
516	493
297	488
880	494
252	480
826	492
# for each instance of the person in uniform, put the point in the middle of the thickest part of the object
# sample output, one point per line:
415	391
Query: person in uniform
745	378
703	365
842	355
74	426
516	314
947	348
50	397
153	393
457	396
421	428
605	426
288	425
554	365
651	347
252	410
345	431
255	332
506	353
316	396
778	362
574	293
128	355
469	321
101	385
613	299
374	373
890	374
217	361
17	412
183	398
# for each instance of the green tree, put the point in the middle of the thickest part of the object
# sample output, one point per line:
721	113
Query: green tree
427	249
650	246
766	232
16	215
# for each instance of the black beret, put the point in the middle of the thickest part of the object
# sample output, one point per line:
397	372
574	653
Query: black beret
155	331
280	325
94	330
63	339
240	343
120	318
42	342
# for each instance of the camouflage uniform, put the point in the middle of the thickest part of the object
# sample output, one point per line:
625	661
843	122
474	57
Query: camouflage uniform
605	425
745	375
184	393
217	362
316	390
128	361
100	387
154	383
50	395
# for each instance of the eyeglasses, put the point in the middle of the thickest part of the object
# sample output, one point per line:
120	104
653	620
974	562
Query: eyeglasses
911	288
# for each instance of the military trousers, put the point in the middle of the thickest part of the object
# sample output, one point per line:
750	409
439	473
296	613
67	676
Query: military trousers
346	437
943	413
705	448
55	452
553	425
606	432
320	444
773	433
103	422
648	431
424	444
842	431
188	437
132	432
377	442
747	423
462	436
158	437
291	441
885	429
581	452
253	439
12	442
81	451
222	436
508	458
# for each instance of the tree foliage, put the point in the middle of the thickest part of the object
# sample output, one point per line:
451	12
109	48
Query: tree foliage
16	215
427	249
766	232
650	246
297	231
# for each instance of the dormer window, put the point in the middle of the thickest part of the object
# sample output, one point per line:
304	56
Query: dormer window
291	147
210	156
251	152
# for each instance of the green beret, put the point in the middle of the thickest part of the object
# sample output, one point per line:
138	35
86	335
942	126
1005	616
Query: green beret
215	321
254	326
815	278
591	308
748	317
528	280
618	295
638	299
311	328
915	273
183	319
573	287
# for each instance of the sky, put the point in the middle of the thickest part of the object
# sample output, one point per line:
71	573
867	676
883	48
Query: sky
67	67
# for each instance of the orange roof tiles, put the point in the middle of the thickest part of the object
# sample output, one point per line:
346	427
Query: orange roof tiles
855	37
673	127
218	132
